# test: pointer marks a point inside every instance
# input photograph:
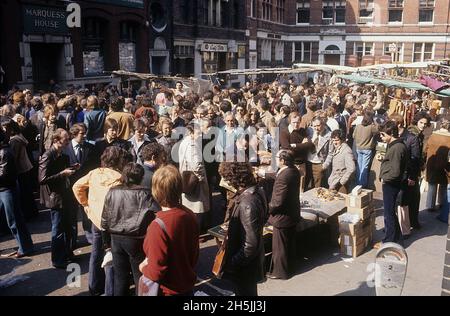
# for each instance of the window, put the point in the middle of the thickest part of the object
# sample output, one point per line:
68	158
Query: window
395	50
365	11
214	13
279	51
302	52
236	23
333	12
280	11
423	52
303	11
426	10
395	10
127	46
363	48
93	32
183	51
267	10
266	50
185	9
253	8
205	13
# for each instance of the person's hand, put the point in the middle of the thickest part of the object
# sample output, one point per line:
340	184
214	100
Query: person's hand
305	140
67	172
293	145
143	264
411	183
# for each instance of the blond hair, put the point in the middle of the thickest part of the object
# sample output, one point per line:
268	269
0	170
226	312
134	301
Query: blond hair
167	186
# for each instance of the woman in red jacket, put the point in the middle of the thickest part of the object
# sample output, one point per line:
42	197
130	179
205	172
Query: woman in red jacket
171	244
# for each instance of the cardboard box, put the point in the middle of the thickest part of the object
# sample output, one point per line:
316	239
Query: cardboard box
360	201
358	228
354	245
364	213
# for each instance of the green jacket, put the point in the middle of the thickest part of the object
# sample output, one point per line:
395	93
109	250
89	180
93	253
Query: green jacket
393	166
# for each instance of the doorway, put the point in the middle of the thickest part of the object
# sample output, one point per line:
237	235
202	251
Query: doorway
222	61
46	59
158	64
332	59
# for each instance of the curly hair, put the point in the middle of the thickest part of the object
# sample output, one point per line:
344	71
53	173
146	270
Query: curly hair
153	150
238	174
115	158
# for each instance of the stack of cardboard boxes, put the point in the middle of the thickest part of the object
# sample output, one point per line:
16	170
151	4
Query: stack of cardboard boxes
356	227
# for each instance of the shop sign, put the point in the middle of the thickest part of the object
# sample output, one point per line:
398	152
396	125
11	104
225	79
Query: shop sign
214	48
124	3
44	20
241	51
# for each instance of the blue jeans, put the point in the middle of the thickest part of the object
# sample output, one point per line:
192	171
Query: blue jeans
431	195
443	216
100	280
364	158
61	237
391	225
10	203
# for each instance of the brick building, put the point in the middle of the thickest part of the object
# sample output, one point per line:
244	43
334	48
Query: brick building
209	36
352	32
38	45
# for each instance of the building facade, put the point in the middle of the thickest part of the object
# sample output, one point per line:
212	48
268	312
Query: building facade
39	45
209	36
353	32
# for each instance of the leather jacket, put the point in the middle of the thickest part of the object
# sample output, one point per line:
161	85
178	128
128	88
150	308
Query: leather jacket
54	186
128	211
245	247
8	172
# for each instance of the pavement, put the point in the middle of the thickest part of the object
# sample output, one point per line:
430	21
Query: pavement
321	269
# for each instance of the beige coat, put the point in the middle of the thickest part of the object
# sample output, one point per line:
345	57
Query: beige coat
90	191
191	160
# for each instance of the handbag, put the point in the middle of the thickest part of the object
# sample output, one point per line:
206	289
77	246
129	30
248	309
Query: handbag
219	261
147	287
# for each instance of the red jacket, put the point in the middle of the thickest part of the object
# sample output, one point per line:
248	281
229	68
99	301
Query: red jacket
172	258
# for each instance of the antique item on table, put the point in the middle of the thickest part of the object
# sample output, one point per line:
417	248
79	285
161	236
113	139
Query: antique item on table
328	195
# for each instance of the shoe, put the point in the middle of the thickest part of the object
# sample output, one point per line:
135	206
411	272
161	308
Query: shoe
60	266
416	226
19	255
377	245
272	276
10	254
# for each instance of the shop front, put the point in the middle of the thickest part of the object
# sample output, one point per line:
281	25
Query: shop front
215	57
46	46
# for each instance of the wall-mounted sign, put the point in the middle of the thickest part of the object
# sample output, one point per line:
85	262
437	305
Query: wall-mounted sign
331	52
124	3
214	48
44	20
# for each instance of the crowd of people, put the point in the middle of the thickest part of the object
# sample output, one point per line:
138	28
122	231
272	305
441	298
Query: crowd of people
139	171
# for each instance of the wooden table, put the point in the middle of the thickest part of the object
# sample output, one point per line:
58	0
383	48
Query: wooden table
317	213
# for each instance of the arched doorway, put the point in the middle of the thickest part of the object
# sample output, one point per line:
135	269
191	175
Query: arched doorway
332	55
159	57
